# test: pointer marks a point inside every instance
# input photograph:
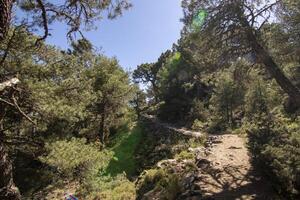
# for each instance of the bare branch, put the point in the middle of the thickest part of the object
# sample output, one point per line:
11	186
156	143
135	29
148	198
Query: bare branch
251	14
7	102
45	21
16	140
262	24
22	113
266	8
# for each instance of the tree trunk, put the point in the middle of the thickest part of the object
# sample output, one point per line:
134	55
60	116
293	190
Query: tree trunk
5	17
8	191
102	131
286	85
155	91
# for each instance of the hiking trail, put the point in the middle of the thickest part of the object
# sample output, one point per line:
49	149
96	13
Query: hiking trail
226	173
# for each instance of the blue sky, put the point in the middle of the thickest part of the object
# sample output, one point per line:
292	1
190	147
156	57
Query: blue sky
145	31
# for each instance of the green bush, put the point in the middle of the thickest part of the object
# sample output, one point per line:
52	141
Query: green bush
273	139
162	180
216	125
75	157
198	111
198	125
111	188
228	96
197	142
276	147
185	155
76	160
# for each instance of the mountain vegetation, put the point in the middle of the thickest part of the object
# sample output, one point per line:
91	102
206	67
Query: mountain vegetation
73	121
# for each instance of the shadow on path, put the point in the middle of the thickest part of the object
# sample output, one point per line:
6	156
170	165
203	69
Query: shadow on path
229	174
232	183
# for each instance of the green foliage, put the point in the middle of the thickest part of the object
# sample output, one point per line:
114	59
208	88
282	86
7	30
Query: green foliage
181	90
74	157
108	188
256	101
153	175
150	73
162	181
124	150
227	97
112	93
273	141
77	160
171	186
198	125
275	144
40	15
138	102
77	98
197	142
198	111
185	155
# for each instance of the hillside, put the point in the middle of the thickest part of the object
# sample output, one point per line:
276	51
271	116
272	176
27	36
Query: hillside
213	116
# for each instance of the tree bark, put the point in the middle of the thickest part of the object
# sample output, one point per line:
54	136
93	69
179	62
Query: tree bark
5	17
264	57
102	131
8	190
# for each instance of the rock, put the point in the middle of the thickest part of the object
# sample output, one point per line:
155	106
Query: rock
203	163
161	147
196	150
164	163
191	195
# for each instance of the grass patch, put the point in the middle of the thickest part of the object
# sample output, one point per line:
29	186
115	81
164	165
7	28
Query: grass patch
124	149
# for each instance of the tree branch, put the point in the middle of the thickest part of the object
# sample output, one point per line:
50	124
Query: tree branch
22	113
45	21
266	8
251	14
7	102
9	44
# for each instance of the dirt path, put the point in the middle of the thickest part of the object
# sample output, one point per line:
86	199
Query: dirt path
227	173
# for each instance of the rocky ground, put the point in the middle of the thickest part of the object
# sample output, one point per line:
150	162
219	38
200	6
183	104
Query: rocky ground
225	172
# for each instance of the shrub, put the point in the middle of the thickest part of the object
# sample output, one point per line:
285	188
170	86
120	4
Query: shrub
165	182
149	179
197	142
112	188
185	155
276	147
227	98
198	111
75	157
216	125
199	125
76	160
